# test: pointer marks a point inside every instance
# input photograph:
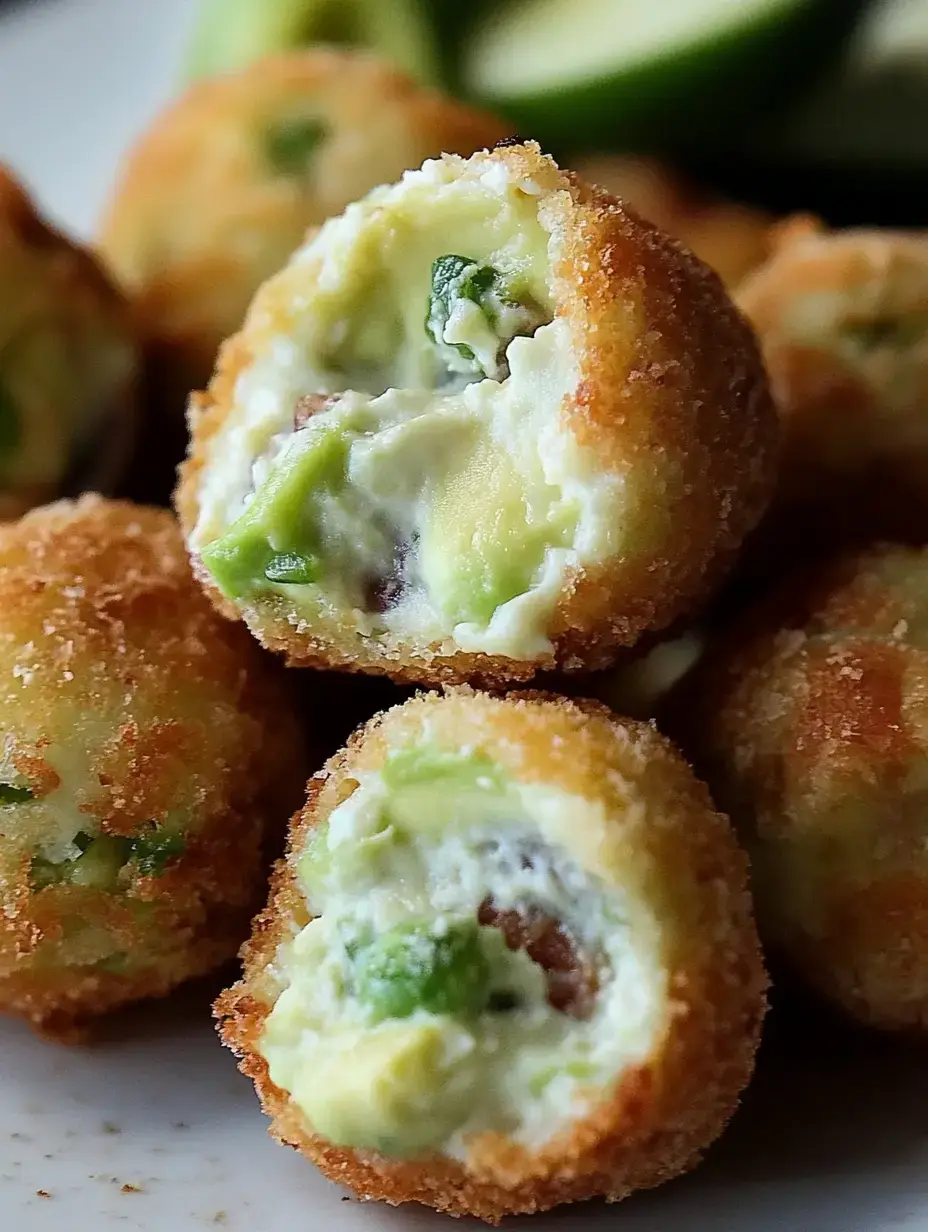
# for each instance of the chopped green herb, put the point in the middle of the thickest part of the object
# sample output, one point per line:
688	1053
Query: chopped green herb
152	850
291	144
293	568
15	795
11	429
102	858
455	278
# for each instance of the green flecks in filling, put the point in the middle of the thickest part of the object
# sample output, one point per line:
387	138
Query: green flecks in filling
289	145
414	967
15	795
155	847
454	279
103	857
426	764
418	1005
276	533
886	333
473	313
10	422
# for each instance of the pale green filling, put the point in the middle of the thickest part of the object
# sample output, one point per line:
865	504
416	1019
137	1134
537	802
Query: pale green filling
104	861
397	462
404	1025
404	496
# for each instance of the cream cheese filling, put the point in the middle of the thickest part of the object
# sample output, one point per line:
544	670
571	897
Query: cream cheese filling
446	481
432	1081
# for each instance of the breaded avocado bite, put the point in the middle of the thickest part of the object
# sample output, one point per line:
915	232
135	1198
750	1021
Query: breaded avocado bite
810	726
732	239
222	188
486	422
508	962
68	363
843	322
146	746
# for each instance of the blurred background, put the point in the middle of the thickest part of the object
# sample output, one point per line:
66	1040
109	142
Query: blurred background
817	105
185	146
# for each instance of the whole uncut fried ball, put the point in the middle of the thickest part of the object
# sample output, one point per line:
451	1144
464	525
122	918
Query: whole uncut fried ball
222	188
485	423
508	962
811	727
147	746
843	322
68	363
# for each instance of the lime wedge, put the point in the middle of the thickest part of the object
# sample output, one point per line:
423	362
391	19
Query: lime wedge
578	73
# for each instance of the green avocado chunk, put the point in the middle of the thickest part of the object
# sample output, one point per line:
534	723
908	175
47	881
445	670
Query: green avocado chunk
390	1089
273	542
486	538
413	967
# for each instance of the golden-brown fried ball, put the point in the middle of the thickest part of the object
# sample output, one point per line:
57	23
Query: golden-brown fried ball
811	727
485	423
68	363
147	745
508	962
732	239
843	322
222	188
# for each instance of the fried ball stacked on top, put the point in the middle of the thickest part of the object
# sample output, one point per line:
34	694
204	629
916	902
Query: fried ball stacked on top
732	239
811	726
843	322
68	363
485	423
146	745
508	962
222	188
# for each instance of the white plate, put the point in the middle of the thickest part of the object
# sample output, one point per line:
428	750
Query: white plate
154	1129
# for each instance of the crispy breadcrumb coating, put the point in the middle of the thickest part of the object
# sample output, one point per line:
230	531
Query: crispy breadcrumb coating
809	723
732	239
670	400
147	747
68	363
665	842
843	322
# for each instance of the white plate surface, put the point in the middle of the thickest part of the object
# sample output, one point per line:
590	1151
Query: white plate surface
154	1129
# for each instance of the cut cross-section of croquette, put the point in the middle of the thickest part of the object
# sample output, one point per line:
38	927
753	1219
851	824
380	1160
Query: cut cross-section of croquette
508	962
485	423
146	747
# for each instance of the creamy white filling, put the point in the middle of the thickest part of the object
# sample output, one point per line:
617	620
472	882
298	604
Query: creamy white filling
419	437
527	1072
